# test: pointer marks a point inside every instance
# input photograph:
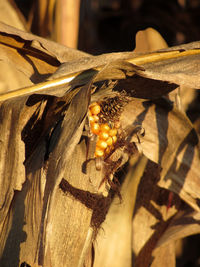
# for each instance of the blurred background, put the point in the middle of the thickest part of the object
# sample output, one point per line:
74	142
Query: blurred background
99	26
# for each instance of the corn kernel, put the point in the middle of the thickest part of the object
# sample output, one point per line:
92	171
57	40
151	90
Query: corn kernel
104	127
96	118
95	128
103	135
95	109
101	144
99	153
112	132
114	138
109	141
91	119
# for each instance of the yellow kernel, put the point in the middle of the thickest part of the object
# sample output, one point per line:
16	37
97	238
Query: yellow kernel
112	132
99	153
95	109
91	119
104	127
101	144
89	113
114	138
109	141
103	135
95	128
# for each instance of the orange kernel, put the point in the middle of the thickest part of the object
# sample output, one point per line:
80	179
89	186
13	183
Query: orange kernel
95	109
99	153
101	144
112	132
109	141
104	127
95	128
103	135
114	138
91	119
96	118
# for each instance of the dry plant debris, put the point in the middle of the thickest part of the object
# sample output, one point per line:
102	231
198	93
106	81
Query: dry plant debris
52	202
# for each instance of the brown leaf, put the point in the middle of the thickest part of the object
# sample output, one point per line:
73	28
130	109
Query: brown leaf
113	246
41	190
50	221
63	142
165	256
182	225
149	40
171	141
182	70
36	57
14	116
151	217
62	53
11	15
176	65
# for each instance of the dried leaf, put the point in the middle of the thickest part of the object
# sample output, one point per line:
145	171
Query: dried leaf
11	15
171	65
165	256
171	141
149	40
60	199
151	217
36	57
182	70
182	225
14	116
62	53
113	246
